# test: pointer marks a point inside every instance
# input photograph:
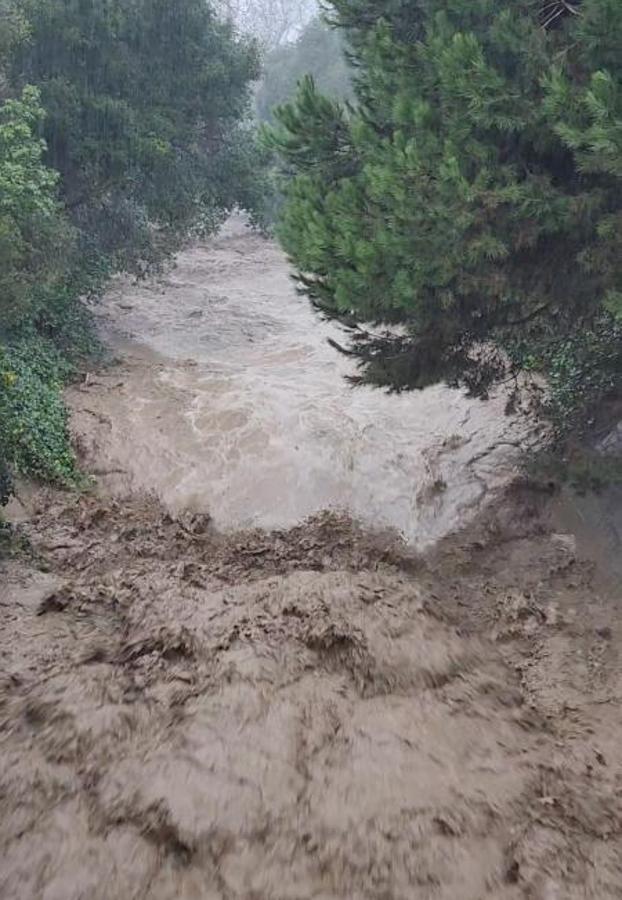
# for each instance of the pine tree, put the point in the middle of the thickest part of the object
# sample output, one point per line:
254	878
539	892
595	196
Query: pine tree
471	193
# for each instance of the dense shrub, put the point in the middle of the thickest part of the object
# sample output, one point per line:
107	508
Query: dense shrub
33	419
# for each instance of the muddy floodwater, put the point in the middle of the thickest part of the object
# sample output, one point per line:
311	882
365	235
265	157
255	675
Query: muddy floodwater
233	402
204	697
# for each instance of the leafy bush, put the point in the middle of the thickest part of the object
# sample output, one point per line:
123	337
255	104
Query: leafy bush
33	234
34	245
34	439
582	370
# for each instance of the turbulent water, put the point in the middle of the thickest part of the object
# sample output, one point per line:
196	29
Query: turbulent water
314	713
234	402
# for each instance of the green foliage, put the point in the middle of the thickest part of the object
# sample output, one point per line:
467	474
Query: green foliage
33	236
318	52
472	194
34	241
33	421
14	28
144	102
36	361
583	369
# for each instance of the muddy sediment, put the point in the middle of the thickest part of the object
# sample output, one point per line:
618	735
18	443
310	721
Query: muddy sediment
306	713
190	711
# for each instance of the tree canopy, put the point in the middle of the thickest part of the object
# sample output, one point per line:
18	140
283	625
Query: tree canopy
145	103
471	194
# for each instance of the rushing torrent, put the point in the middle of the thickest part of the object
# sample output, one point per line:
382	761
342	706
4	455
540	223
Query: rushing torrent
319	712
234	403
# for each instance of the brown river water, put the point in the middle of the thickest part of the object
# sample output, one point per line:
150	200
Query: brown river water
194	709
244	411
